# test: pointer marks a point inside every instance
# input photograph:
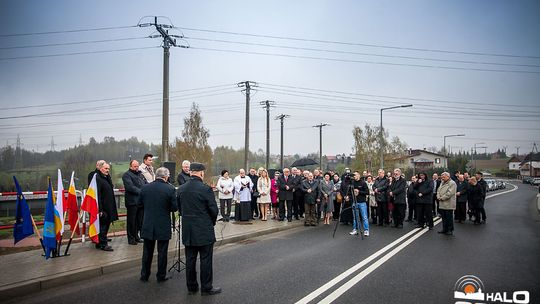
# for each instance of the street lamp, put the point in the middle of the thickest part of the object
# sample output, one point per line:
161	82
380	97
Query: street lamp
445	150
381	130
474	152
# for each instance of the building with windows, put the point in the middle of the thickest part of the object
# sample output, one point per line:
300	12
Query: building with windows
420	160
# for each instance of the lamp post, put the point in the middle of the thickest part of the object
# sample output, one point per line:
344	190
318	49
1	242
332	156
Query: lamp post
474	152
381	130
445	150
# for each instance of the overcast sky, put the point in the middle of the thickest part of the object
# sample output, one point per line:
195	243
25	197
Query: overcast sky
468	67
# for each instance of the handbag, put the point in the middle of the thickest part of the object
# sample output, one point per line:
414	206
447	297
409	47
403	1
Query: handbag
339	197
256	194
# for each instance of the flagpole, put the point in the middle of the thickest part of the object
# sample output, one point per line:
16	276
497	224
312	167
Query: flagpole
61	235
37	231
73	232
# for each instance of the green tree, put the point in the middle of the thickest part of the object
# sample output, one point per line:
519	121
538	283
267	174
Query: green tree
193	144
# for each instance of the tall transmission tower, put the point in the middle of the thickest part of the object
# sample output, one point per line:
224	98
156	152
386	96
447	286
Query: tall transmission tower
168	41
247	85
266	105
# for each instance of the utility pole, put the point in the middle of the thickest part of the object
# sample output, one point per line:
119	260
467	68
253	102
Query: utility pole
247	89
80	139
320	126
267	104
281	117
517	152
18	153
531	170
168	41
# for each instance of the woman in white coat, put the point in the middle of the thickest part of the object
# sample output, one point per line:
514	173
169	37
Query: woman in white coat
263	187
225	186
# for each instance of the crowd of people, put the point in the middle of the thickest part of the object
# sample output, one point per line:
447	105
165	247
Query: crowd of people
353	198
388	199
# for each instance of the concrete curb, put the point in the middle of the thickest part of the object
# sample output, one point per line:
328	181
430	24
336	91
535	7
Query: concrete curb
37	285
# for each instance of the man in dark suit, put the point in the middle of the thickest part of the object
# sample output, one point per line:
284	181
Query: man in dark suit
159	200
107	204
435	184
183	176
398	190
298	194
286	185
133	181
99	163
199	212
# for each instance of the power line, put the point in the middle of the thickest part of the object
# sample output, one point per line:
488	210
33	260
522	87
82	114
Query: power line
79	53
70	31
393	97
71	43
360	44
112	98
366	61
363	54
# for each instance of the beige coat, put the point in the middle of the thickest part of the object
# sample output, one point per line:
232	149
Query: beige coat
446	194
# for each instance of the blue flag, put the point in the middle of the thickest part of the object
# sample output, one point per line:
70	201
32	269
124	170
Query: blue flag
49	233
23	220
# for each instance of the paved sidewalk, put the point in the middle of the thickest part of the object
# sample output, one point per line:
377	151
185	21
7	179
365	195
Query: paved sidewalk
28	272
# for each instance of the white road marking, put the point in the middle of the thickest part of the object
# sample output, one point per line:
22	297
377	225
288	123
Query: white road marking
349	284
353	269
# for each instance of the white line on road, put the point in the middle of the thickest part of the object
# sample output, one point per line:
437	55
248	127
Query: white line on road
353	269
358	266
349	284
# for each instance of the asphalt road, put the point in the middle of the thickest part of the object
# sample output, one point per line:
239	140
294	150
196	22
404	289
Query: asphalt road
285	267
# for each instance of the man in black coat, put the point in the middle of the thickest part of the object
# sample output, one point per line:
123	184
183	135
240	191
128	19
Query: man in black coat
133	181
298	195
484	187
107	205
183	176
286	185
199	212
411	201
398	190
254	179
461	199
159	200
99	163
423	188
380	187
310	187
435	184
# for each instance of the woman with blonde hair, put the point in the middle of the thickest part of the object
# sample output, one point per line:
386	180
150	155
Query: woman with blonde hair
263	188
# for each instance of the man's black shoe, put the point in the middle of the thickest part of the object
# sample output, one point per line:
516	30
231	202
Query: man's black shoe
210	292
139	241
133	242
192	292
442	231
449	233
161	280
289	220
297	218
109	240
143	279
107	248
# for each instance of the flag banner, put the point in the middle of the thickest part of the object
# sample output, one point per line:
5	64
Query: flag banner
90	204
23	219
49	231
59	208
71	206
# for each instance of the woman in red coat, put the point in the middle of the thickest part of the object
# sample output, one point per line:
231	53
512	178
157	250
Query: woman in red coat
273	195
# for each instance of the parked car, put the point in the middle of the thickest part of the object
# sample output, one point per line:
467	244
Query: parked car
536	181
527	180
492	185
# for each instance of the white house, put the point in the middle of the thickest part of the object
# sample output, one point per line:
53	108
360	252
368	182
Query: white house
514	162
421	160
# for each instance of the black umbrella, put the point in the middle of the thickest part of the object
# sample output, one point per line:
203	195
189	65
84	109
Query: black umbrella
304	162
271	172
